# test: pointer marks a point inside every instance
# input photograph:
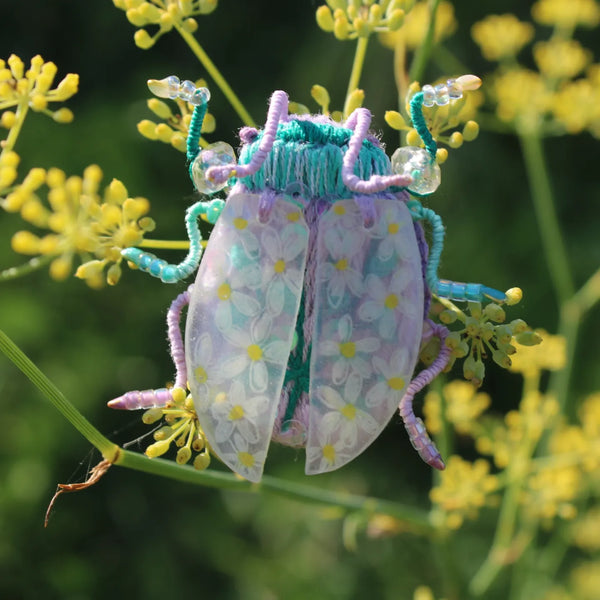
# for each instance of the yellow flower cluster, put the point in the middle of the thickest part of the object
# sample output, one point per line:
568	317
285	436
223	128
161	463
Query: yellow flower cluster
464	488
32	88
416	24
181	429
463	406
350	19
174	128
80	222
550	99
501	36
566	15
514	440
481	331
549	355
166	14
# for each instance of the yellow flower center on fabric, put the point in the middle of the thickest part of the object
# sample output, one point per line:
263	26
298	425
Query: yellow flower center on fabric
342	264
201	376
329	453
348	349
220	397
240	223
349	411
391	301
246	459
339	209
236	413
396	383
393	228
279	266
254	352
224	291
293	217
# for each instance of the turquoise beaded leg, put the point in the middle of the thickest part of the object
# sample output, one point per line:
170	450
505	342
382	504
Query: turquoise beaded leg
474	292
169	273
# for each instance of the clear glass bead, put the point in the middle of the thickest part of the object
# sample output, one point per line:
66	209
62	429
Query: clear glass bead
454	89
187	89
428	96
164	88
218	154
441	94
200	96
416	162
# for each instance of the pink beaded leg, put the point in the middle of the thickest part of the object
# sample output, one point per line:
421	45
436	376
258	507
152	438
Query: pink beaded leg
278	111
360	120
161	397
415	427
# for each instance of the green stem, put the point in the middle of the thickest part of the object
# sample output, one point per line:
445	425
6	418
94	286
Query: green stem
552	240
357	67
165	244
212	70
31	371
571	315
15	130
417	518
30	266
421	57
494	561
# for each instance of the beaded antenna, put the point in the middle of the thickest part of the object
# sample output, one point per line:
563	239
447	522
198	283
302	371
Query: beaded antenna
310	305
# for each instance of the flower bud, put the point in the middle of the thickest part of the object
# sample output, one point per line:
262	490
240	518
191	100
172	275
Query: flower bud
324	18
395	120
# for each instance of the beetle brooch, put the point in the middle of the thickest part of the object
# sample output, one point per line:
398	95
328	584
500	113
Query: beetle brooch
309	308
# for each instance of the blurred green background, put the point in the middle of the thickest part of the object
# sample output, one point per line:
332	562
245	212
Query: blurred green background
138	536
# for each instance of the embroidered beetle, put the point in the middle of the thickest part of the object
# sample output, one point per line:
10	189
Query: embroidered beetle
310	304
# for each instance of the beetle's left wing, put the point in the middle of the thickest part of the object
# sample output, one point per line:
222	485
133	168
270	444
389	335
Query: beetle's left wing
368	326
240	325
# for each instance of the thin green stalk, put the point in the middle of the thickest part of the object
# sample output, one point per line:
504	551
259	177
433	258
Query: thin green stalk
505	527
541	191
421	57
417	518
15	130
571	315
56	397
357	67
212	70
30	266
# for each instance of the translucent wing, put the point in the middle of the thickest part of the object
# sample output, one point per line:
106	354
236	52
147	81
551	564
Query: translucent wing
368	327
240	325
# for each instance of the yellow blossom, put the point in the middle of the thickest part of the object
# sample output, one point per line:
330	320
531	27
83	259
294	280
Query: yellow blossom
464	488
586	531
521	96
416	24
576	105
566	15
165	14
561	59
551	492
464	405
585	580
501	36
549	355
33	86
522	428
79	222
